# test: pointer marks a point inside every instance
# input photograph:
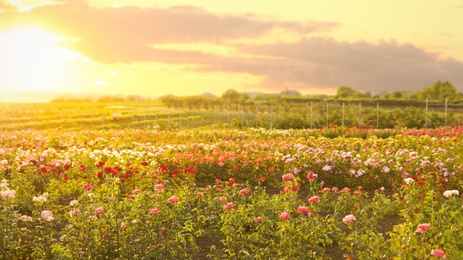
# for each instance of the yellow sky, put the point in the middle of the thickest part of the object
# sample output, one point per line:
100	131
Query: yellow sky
177	47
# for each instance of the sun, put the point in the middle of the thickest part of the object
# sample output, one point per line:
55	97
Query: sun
32	60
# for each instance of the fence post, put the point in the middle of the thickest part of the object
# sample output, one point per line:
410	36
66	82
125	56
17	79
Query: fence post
311	114
214	117
360	114
257	115
446	103
343	114
377	115
327	115
228	116
242	116
271	117
426	115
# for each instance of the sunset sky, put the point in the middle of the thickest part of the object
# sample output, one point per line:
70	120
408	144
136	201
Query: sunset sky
154	47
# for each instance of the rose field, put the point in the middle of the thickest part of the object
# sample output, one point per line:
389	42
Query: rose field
334	193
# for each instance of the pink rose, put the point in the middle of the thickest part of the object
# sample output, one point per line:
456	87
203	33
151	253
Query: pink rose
439	253
74	212
422	228
99	210
200	194
88	187
302	209
348	218
244	191
313	199
47	215
173	199
25	218
288	176
228	206
159	187
137	191
345	190
284	216
311	176
154	211
257	219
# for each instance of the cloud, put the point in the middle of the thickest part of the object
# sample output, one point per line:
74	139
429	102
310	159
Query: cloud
125	34
329	63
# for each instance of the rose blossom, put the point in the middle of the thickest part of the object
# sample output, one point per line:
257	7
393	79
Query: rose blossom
159	187
313	199
303	209
173	199
284	216
439	253
288	176
244	191
311	176
450	193
348	218
25	218
74	212
9	194
257	219
99	210
154	211
88	187
228	206
73	202
47	215
422	228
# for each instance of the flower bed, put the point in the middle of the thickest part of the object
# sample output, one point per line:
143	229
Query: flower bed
293	194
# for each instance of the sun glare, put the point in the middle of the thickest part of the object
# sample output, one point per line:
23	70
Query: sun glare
31	60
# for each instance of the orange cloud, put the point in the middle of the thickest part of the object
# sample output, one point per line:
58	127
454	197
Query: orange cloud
128	34
125	34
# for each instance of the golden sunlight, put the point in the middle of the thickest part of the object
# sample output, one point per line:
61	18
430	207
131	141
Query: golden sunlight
33	61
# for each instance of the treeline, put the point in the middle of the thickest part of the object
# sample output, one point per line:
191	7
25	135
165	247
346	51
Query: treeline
438	93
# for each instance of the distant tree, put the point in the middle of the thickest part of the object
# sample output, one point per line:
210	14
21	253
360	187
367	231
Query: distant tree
291	93
395	95
232	95
170	101
348	92
439	90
